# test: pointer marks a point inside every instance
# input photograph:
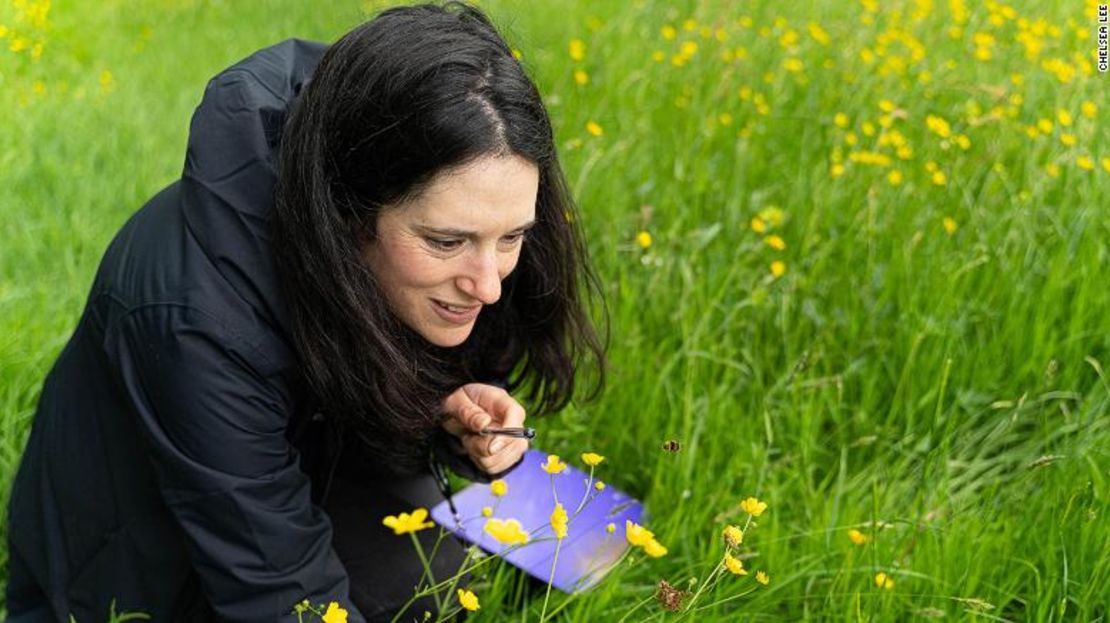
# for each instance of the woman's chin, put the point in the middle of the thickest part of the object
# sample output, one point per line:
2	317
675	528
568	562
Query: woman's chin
447	337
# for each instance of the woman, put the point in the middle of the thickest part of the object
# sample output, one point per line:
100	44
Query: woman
371	246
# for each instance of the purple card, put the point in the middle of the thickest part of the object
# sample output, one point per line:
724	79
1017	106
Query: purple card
588	551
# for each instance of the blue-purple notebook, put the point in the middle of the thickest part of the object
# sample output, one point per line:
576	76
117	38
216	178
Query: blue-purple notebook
588	551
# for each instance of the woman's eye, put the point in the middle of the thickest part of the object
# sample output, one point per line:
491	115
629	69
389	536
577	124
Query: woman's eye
512	239
444	245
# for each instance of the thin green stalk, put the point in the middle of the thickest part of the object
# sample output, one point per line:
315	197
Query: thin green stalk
586	493
638	605
550	580
455	578
427	569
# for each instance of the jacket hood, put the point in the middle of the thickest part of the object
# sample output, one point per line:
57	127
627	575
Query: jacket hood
230	172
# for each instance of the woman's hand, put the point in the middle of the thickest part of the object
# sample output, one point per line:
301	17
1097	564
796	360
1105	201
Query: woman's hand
475	406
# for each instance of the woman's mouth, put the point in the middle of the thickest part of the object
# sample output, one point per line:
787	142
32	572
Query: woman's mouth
456	314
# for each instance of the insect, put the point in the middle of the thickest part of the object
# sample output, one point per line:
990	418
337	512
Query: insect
672	445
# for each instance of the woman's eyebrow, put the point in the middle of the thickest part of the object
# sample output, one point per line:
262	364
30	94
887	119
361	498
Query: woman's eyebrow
463	233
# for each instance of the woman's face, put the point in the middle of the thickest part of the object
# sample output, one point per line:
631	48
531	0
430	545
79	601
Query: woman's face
441	256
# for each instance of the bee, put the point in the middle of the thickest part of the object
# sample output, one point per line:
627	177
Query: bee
671	445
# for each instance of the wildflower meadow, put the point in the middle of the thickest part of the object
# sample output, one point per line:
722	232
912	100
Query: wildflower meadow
856	257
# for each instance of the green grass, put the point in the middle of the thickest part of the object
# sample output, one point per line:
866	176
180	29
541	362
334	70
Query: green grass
895	374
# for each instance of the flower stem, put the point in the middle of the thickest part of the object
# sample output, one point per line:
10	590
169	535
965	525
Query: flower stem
706	583
637	607
585	494
550	580
427	569
462	570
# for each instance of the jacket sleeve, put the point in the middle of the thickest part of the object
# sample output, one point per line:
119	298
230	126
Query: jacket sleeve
214	417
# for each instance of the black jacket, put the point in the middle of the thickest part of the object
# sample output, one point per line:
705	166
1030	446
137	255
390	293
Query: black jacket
162	469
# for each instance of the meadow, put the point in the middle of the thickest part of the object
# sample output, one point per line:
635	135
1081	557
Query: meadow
855	256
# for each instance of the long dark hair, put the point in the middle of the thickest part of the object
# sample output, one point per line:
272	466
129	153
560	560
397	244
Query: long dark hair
415	92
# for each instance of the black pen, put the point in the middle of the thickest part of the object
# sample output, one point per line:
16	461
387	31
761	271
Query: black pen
518	432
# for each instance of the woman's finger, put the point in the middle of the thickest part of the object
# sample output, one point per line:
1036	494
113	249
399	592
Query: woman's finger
497	402
504	459
461	407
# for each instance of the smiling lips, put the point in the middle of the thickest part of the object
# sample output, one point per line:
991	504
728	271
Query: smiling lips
456	314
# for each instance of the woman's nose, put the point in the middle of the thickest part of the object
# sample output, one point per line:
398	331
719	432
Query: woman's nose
482	279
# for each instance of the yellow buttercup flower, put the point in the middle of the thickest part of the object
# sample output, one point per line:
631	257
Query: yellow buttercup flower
950	225
938	125
559	521
499	487
734	536
1106	164
594	128
406	523
669	32
840	120
775	242
1045	126
882	580
611	528
1068	140
857	537
758	225
636	534
1085	163
939	178
818	33
487	512
1052	169
599	486
577	49
1088	109
468	600
894	177
506	531
107	82
762	578
778	268
581	78
592	459
553	464
753	507
773	215
1064	117
335	614
643	239
734	565
655	549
